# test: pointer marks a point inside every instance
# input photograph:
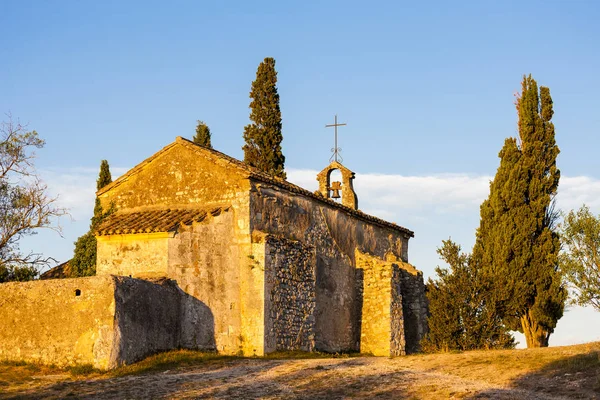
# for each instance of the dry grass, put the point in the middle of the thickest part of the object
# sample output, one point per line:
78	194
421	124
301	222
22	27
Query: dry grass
559	372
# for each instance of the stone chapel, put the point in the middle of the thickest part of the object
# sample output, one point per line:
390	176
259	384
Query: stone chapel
204	252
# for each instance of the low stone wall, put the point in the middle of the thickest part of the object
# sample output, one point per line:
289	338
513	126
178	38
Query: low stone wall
62	321
290	291
105	321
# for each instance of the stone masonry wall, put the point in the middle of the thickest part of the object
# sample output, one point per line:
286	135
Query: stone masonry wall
291	295
184	175
177	176
141	255
204	260
398	335
414	306
382	330
62	322
335	235
147	318
105	321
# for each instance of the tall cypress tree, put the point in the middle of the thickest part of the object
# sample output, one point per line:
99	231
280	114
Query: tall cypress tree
202	136
84	259
517	245
263	136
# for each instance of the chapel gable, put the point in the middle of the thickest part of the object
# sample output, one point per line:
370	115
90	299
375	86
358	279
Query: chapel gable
180	175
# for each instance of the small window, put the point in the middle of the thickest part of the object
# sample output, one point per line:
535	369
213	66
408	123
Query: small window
77	292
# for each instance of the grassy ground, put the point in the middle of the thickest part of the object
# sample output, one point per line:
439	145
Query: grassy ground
558	372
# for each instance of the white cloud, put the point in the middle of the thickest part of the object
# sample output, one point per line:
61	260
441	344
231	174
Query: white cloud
75	188
575	191
394	195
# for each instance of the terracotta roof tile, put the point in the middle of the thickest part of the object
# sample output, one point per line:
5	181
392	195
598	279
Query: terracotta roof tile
163	220
60	271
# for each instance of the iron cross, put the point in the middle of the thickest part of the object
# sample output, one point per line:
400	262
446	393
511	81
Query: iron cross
336	150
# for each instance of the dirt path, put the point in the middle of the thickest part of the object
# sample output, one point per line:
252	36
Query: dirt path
367	377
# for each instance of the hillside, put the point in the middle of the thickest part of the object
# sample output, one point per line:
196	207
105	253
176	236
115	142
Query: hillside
552	373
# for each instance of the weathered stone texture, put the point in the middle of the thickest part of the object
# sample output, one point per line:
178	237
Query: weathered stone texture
398	343
382	330
147	318
348	195
337	237
414	306
291	295
47	322
142	255
207	259
105	321
179	175
204	259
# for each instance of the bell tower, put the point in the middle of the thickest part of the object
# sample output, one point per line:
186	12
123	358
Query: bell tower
336	190
331	190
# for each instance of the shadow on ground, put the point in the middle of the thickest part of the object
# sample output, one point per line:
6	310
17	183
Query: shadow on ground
574	377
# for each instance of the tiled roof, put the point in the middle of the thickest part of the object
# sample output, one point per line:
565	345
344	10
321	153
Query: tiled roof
153	221
61	271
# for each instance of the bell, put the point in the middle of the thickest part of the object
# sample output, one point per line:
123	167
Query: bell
335	188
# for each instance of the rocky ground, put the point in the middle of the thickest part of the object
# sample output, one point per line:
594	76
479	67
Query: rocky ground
570	373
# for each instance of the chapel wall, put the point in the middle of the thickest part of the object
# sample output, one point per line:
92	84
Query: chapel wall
204	259
414	307
147	318
140	255
209	260
335	235
290	295
179	177
382	327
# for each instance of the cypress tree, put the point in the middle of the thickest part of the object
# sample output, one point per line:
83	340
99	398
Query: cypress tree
104	178
202	136
517	244
263	136
84	258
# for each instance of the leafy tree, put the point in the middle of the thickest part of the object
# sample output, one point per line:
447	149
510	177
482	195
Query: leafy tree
84	258
580	262
263	136
517	244
460	317
24	203
202	136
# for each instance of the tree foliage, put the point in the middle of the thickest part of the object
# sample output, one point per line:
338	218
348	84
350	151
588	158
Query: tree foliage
263	136
84	257
517	244
202	136
25	204
460	317
580	259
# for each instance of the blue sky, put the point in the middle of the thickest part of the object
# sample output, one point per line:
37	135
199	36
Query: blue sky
427	90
